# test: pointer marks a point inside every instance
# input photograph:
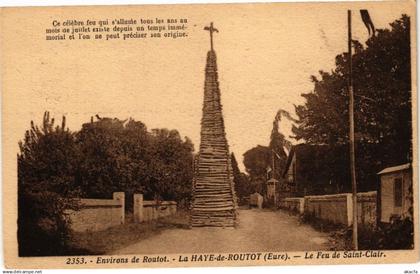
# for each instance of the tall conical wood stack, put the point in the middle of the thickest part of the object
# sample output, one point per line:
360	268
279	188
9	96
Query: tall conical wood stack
213	199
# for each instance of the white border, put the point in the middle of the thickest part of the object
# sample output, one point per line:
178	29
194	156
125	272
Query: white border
313	269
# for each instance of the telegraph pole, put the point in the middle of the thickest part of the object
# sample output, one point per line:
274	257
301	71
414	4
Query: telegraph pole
351	134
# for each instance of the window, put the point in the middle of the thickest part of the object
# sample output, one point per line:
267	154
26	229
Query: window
398	192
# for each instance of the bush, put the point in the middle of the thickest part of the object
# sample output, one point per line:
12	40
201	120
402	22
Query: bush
397	235
56	165
47	165
43	226
124	156
393	236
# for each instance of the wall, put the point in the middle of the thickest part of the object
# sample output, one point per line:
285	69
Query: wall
333	208
145	211
367	208
337	208
293	204
98	214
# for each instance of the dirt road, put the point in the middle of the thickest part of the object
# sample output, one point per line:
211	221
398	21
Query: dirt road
258	230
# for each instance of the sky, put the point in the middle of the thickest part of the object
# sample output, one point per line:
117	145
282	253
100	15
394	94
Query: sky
265	54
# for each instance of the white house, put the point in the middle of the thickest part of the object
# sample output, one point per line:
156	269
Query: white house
396	192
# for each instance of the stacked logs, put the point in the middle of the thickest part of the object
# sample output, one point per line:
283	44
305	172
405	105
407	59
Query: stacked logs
213	199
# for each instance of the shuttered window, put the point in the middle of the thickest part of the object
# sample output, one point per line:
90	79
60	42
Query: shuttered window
398	192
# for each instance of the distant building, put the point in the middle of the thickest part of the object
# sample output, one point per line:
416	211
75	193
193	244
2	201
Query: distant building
271	191
256	200
396	192
316	169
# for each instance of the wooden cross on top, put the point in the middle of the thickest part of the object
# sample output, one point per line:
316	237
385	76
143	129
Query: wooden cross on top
211	29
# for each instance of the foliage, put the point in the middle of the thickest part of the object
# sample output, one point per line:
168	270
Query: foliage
398	235
382	87
170	167
104	165
55	166
263	162
278	144
393	236
256	161
316	169
242	185
124	156
47	179
278	154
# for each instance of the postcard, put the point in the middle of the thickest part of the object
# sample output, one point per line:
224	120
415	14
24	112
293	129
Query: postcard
209	135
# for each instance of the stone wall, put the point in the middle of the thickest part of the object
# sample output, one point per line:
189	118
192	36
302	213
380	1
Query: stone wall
337	208
293	204
145	211
98	214
332	208
367	208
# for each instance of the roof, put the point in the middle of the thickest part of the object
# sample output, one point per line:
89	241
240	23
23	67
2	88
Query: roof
394	168
288	161
304	150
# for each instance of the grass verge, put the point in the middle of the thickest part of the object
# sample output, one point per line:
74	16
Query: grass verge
114	238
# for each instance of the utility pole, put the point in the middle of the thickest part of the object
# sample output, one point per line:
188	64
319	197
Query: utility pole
351	134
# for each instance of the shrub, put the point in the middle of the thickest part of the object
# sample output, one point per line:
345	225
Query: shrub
47	166
393	236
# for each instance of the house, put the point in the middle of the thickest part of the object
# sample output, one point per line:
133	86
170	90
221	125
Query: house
316	169
396	192
271	190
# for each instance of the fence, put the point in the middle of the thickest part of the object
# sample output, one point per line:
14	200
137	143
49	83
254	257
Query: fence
144	211
337	208
98	214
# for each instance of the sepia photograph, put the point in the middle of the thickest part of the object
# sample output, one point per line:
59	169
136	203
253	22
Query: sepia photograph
209	134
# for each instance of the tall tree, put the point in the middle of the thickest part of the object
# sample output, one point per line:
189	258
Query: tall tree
47	181
107	155
256	161
242	184
279	144
124	156
105	166
170	167
382	87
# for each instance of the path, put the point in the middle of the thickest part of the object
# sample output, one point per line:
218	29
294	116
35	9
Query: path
258	230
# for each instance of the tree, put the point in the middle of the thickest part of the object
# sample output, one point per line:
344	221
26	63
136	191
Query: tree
47	181
278	144
256	161
123	156
242	185
382	83
55	166
104	168
171	166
